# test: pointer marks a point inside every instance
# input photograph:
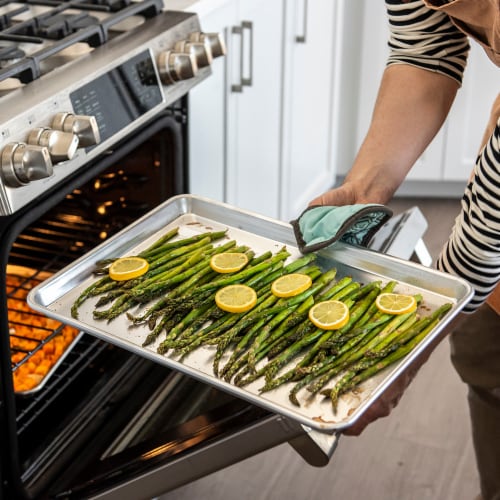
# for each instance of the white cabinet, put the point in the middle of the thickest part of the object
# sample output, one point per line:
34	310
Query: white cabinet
469	115
447	162
235	115
262	127
207	114
308	102
254	108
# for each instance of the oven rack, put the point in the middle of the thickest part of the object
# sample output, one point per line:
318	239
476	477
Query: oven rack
54	241
85	218
85	351
27	344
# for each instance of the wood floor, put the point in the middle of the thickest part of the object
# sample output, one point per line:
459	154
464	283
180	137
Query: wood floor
421	451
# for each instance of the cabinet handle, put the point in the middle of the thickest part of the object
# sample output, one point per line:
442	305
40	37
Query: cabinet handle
247	82
302	38
244	81
238	87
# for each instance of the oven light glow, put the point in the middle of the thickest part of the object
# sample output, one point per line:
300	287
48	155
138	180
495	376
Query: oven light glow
101	209
103	235
73	219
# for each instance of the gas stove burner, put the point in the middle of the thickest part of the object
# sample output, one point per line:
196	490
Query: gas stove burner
113	5
8	11
61	25
9	53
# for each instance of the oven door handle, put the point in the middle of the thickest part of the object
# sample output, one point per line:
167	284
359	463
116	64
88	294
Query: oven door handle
315	447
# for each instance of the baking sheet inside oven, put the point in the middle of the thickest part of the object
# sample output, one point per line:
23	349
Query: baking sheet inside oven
194	215
38	344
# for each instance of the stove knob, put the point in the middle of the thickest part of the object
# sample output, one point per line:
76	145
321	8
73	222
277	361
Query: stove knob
175	66
200	50
215	42
61	145
84	127
22	164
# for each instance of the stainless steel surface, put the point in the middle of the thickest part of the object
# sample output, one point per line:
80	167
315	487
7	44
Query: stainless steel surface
302	37
52	370
193	215
35	104
246	61
207	458
61	145
247	80
84	127
215	42
199	50
315	447
174	67
23	163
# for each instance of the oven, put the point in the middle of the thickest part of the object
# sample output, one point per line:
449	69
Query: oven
93	116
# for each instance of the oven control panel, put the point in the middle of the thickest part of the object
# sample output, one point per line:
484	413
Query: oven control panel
61	122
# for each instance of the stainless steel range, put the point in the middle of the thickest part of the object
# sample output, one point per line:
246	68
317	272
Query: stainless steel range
78	76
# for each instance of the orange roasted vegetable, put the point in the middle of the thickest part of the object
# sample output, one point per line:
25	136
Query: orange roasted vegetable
29	329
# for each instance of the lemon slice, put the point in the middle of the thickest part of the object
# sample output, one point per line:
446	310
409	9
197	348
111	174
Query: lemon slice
236	298
329	314
395	303
228	262
127	268
291	284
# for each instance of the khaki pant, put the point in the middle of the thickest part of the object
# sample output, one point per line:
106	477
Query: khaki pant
475	353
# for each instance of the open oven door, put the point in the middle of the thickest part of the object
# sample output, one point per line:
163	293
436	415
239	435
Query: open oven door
147	430
200	444
108	423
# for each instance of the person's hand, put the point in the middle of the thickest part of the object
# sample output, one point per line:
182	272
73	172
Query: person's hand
340	196
388	400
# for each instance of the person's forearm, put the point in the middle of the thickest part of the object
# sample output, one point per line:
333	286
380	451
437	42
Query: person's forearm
411	106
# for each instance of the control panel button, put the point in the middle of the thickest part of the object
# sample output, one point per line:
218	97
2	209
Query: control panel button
22	163
215	42
61	145
84	127
199	50
175	66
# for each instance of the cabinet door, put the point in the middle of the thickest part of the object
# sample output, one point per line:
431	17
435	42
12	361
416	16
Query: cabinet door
308	95
254	108
469	115
207	114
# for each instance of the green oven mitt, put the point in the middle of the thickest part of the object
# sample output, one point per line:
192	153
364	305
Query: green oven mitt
320	226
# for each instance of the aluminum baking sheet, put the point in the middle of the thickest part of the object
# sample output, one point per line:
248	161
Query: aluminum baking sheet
193	215
37	388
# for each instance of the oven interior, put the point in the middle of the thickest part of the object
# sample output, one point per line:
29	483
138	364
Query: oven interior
94	419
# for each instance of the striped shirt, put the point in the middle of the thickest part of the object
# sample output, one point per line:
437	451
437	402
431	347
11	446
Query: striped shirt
427	38
473	249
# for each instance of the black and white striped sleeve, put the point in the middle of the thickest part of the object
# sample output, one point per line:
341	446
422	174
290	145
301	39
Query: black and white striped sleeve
425	38
473	249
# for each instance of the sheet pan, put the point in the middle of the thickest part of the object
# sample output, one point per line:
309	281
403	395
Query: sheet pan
55	296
